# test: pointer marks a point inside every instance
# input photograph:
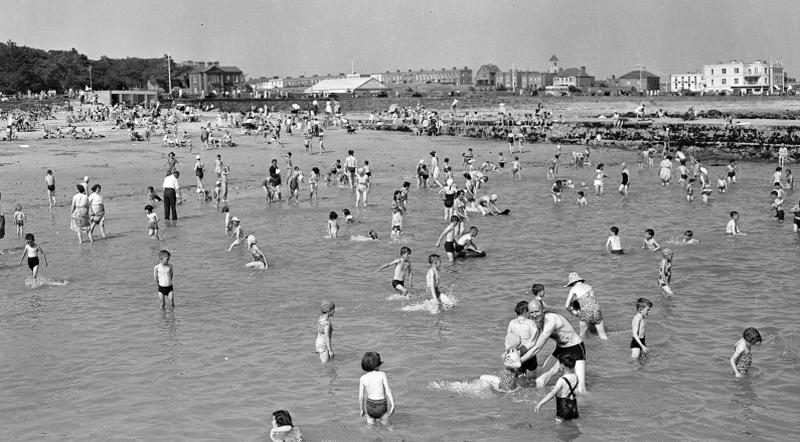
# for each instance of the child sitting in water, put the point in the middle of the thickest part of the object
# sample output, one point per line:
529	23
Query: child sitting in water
732	228
506	381
282	428
638	345
581	198
152	221
152	196
564	391
650	241
374	394
32	251
259	260
742	357
348	217
688	238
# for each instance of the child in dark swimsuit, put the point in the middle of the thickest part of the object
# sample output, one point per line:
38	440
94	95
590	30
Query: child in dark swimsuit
742	357
564	391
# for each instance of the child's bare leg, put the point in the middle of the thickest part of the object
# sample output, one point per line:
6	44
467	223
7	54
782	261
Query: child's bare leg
171	300
324	356
161	299
401	288
580	371
103	228
35	272
80	238
385	419
601	330
635	352
370	420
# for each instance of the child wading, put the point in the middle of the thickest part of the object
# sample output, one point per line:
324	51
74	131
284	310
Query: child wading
564	391
32	251
374	394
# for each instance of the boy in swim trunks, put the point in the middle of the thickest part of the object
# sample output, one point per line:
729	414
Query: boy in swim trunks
465	242
448	234
374	394
50	182
516	169
162	273
402	271
638	347
732	228
777	204
32	251
613	243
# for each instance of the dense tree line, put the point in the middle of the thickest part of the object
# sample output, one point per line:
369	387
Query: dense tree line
23	68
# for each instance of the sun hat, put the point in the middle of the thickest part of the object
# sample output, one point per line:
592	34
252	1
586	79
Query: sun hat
666	251
421	161
197	157
251	239
573	278
327	306
493	197
235	219
449	181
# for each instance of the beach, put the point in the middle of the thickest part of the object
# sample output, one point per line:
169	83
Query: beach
98	359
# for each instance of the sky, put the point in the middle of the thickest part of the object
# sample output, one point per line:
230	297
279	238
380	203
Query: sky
296	37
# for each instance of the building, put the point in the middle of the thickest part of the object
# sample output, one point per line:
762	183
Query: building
131	98
688	82
306	82
365	85
574	77
214	78
639	81
444	76
736	77
524	80
487	75
553	68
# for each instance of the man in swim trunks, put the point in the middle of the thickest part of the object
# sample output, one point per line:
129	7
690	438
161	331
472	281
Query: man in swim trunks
350	164
50	182
556	327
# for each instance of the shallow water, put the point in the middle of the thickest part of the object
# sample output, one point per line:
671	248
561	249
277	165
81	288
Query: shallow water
98	359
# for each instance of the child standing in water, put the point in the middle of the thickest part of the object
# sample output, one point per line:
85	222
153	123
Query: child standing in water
598	179
50	182
402	271
665	271
325	331
162	273
19	221
516	169
796	212
564	391
313	184
777	205
152	221
333	225
722	184
742	357
432	278
613	243
690	190
237	234
638	345
32	251
374	394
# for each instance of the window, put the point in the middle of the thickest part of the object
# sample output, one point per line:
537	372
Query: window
712	71
724	71
712	82
724	81
735	81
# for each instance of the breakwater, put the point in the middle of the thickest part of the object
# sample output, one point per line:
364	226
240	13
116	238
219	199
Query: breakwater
756	142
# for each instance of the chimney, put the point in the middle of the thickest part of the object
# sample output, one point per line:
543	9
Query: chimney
216	63
583	70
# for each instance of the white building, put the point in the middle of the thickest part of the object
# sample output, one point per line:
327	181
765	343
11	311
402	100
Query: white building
758	77
690	81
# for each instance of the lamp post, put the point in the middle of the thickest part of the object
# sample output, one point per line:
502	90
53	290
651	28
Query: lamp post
169	76
90	78
640	66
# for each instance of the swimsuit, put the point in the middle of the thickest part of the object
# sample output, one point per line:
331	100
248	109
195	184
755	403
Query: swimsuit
51	187
577	350
33	262
635	344
448	199
745	361
377	408
450	246
321	345
396	282
618	252
567	407
165	290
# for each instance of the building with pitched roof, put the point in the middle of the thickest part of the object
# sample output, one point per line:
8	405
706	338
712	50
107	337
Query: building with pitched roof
212	77
487	75
639	81
353	85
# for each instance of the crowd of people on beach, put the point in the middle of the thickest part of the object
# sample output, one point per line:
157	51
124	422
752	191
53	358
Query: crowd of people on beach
535	323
